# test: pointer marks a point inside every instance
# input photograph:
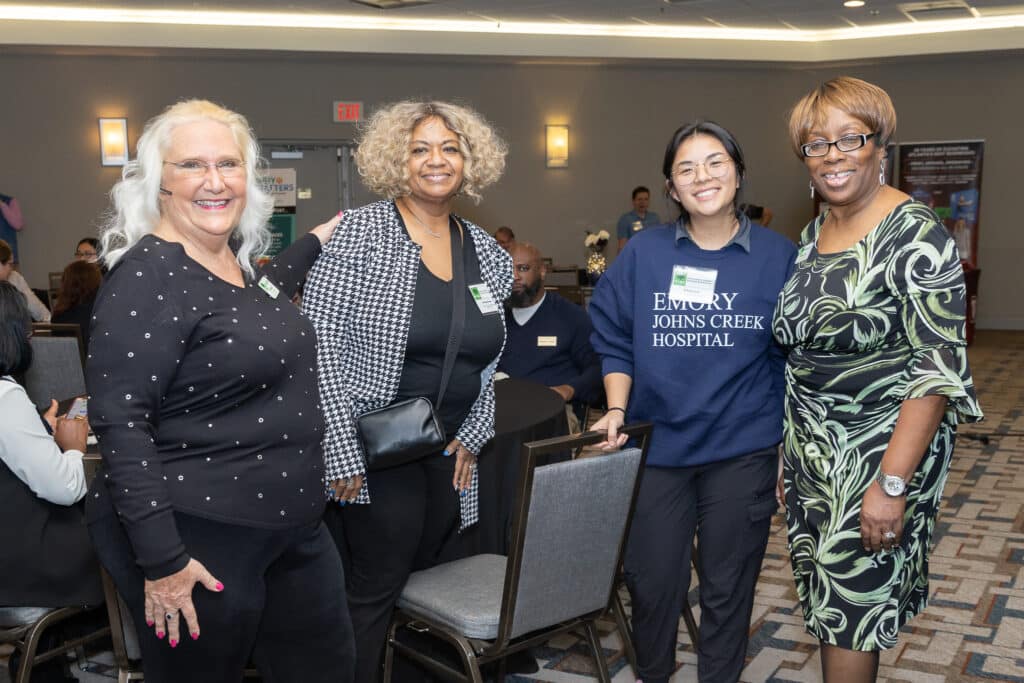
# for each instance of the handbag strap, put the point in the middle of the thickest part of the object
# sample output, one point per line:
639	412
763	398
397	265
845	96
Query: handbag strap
458	323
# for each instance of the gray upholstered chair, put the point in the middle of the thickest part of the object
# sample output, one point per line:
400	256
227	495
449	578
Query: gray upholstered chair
22	627
568	532
56	370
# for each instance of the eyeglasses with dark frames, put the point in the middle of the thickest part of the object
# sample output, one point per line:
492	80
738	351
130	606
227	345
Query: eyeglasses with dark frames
847	143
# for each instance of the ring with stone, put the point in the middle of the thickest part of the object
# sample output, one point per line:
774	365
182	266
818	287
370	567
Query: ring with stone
889	535
170	616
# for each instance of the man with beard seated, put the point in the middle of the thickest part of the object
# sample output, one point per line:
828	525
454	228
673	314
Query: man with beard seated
549	337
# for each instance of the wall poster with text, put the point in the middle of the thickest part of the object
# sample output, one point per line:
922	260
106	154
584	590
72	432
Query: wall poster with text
280	183
947	177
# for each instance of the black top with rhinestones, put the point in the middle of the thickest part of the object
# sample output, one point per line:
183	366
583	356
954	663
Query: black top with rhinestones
204	398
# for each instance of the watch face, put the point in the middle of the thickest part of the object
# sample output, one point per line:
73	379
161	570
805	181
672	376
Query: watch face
893	486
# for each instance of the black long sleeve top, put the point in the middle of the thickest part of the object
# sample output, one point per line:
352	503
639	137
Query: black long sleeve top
204	398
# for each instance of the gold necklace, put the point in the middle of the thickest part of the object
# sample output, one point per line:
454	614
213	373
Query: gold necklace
422	224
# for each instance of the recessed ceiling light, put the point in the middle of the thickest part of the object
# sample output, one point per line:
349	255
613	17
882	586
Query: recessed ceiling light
853	3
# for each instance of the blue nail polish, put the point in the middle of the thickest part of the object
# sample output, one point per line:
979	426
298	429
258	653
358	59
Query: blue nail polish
341	503
463	494
445	453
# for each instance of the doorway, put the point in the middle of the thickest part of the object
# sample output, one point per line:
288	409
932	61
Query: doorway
326	179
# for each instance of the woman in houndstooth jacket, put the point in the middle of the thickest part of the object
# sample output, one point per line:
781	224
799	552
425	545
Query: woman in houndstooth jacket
380	299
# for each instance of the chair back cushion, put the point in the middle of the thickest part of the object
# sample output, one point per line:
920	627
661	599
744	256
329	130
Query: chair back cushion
56	370
575	525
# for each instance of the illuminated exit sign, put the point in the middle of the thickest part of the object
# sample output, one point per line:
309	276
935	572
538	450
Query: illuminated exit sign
348	112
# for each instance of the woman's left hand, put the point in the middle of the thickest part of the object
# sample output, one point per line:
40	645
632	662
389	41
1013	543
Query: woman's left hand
881	519
465	464
325	230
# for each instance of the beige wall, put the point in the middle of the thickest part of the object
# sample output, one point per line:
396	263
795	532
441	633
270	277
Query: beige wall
620	117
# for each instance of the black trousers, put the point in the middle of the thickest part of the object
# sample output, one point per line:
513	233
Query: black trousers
411	523
283	604
729	505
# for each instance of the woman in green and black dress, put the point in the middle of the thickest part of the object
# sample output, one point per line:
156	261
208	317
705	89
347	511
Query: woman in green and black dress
877	380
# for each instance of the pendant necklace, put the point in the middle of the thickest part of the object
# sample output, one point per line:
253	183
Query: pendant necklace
422	224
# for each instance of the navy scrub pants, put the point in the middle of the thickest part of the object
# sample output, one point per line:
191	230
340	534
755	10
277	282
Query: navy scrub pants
728	505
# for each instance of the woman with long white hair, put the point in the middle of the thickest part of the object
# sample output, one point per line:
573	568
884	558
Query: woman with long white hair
202	375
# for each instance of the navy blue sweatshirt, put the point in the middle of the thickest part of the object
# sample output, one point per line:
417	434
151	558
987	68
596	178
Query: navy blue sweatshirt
709	376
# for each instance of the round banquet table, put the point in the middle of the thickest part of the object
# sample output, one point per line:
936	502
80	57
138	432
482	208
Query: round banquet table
524	411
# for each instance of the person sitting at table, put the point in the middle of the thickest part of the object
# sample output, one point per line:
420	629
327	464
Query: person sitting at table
41	479
79	284
36	308
505	237
549	337
87	249
382	301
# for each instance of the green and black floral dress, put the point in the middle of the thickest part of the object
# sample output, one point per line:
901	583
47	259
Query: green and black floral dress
868	328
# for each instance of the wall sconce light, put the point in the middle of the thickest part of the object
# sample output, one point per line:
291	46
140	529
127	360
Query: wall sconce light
557	146
113	142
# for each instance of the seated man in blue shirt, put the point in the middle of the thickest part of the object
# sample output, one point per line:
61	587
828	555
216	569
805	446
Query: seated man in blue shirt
639	218
548	336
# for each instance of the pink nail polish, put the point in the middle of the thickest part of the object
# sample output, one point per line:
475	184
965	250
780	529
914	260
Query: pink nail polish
219	586
159	634
149	622
195	636
174	643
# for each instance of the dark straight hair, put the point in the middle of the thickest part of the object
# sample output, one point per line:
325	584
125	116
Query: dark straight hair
720	133
15	323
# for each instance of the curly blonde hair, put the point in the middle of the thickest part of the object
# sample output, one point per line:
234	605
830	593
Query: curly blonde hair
383	150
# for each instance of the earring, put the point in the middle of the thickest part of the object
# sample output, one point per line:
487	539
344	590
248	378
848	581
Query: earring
810	183
881	173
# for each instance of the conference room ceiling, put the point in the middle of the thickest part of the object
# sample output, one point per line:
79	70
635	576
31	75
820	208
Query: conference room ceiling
798	31
768	14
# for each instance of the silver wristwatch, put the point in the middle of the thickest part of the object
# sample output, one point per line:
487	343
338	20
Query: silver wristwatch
891	485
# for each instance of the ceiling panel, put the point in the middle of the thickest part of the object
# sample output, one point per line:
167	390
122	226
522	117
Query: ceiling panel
808	14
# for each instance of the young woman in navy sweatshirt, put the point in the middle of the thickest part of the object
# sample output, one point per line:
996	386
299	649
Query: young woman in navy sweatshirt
682	322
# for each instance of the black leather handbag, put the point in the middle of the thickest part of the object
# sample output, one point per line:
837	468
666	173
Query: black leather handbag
410	429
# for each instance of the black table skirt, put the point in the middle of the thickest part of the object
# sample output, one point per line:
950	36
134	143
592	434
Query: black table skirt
524	411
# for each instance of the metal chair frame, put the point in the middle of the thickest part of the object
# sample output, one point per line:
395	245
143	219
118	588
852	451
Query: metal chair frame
475	652
25	638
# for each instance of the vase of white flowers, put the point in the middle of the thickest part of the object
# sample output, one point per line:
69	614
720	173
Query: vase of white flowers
596	264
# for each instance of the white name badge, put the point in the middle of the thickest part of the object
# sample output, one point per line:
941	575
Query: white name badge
637	226
696	285
547	341
269	287
484	299
804	252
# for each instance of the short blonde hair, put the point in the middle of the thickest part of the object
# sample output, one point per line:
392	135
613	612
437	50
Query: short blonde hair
136	211
864	101
384	147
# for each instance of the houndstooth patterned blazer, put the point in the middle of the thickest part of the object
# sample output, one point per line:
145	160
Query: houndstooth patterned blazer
359	296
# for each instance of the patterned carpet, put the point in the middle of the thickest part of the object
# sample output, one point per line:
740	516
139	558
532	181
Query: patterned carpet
973	629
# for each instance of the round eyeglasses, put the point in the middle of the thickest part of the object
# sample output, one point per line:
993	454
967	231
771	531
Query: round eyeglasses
714	168
847	143
194	168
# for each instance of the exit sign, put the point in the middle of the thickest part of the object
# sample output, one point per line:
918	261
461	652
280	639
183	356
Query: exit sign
348	112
